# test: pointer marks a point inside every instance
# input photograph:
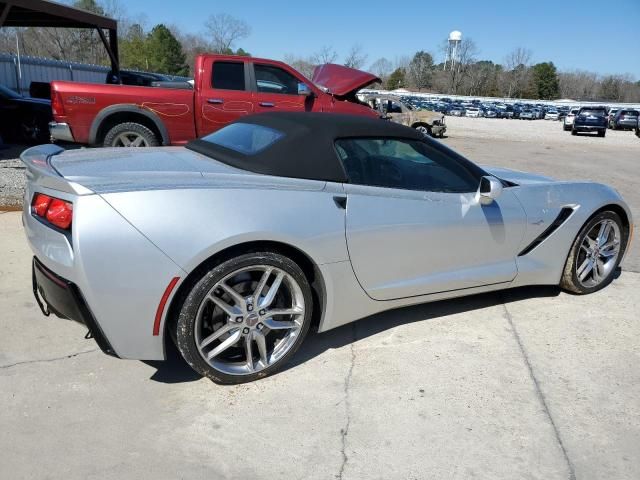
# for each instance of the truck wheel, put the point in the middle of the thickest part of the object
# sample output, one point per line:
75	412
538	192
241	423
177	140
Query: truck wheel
424	129
130	134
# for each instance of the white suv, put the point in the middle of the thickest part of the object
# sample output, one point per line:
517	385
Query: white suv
568	120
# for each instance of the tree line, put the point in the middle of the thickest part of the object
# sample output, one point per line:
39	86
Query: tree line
164	48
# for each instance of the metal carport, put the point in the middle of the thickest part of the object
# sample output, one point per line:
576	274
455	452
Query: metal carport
43	13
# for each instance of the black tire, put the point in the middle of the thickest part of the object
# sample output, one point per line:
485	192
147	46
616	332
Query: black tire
602	133
421	127
184	332
569	280
574	131
111	139
566	128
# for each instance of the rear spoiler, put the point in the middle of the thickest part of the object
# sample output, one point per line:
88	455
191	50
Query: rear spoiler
40	171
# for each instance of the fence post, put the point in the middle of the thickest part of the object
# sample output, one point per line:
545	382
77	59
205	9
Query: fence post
71	71
17	75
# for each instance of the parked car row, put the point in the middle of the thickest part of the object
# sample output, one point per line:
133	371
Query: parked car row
575	119
599	118
495	109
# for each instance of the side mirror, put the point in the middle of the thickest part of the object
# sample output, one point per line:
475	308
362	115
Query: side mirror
490	189
303	89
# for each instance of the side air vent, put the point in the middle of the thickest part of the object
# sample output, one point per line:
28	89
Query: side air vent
562	217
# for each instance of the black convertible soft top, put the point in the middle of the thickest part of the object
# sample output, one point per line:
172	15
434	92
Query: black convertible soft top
305	148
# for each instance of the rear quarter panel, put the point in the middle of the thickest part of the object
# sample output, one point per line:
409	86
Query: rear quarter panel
121	275
192	225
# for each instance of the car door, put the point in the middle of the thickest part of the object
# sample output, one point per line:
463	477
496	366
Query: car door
276	89
225	96
414	223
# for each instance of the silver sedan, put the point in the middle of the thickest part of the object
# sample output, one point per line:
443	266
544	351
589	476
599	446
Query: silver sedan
235	246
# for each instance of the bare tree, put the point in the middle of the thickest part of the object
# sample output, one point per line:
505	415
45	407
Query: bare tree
304	65
356	57
459	70
225	31
326	54
518	73
193	44
519	56
401	62
420	70
579	85
381	67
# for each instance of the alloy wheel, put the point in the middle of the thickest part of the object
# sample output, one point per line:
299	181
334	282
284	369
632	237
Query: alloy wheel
598	253
249	320
130	139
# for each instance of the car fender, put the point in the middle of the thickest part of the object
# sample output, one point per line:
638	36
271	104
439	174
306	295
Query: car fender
127	108
543	202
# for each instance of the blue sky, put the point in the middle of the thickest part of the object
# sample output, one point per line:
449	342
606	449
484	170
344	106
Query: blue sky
595	35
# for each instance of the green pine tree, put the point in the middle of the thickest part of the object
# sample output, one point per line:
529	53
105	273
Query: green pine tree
545	80
164	52
396	79
133	50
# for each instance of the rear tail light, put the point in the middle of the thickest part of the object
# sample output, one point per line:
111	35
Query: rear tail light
55	211
57	106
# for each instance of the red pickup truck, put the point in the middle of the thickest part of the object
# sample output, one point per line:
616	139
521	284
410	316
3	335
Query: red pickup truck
224	88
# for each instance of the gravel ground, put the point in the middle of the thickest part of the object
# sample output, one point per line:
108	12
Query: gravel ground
11	177
539	131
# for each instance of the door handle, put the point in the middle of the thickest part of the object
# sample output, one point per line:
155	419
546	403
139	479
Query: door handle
216	101
267	104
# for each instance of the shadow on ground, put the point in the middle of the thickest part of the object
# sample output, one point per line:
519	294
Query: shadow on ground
176	370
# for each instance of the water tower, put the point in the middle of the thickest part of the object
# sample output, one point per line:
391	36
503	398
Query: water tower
455	38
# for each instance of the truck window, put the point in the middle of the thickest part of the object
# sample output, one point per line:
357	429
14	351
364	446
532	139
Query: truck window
228	76
271	79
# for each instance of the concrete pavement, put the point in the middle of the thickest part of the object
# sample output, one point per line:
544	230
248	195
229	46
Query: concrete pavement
531	383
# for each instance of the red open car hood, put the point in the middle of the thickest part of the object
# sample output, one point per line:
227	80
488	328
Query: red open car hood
341	80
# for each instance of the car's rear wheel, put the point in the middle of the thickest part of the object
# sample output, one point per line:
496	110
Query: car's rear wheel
130	134
245	318
595	254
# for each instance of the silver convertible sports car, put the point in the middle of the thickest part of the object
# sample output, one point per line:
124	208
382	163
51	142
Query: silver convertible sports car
234	246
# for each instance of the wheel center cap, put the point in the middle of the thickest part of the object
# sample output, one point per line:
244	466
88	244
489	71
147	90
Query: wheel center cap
252	320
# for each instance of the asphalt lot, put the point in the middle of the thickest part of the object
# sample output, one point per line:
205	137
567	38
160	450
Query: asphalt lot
524	384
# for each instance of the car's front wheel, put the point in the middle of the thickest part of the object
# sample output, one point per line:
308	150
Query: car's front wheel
424	129
595	254
245	318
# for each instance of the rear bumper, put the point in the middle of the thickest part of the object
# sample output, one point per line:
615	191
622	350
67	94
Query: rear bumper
60	131
589	128
627	124
63	298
